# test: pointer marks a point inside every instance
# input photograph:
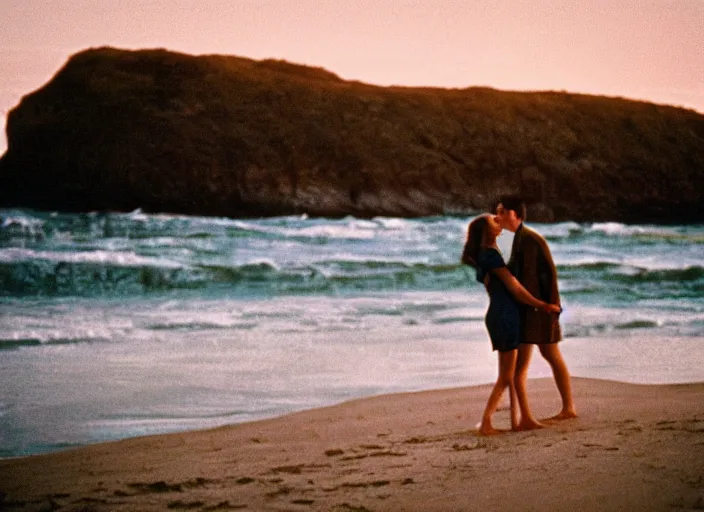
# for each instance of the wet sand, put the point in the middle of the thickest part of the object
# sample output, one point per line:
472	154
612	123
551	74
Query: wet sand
633	447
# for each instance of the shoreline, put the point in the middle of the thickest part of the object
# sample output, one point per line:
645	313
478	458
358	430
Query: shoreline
633	446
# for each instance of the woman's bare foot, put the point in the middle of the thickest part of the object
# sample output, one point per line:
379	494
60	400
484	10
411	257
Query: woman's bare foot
529	425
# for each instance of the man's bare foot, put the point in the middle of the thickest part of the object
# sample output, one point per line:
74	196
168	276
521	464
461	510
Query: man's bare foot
488	430
564	414
529	425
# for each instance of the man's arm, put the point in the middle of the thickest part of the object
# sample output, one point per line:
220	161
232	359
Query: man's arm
537	269
547	273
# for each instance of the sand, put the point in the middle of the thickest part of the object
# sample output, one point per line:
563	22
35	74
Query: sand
633	447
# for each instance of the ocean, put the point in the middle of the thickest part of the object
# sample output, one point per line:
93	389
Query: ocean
128	324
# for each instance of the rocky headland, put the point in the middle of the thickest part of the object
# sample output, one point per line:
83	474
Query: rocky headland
118	130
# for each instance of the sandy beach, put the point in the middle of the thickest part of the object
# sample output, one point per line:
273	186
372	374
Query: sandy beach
633	447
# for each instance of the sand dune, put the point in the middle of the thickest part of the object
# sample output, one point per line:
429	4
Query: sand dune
634	447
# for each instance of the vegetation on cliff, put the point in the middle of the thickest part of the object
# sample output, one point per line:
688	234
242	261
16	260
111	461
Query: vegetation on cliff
218	135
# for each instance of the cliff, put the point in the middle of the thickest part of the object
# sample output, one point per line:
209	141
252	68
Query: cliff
228	136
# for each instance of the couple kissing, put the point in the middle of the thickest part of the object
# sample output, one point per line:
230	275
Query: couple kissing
524	308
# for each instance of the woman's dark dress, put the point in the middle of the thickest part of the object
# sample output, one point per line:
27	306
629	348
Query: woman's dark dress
503	316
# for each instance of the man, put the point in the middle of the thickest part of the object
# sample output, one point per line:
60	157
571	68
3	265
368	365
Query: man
531	263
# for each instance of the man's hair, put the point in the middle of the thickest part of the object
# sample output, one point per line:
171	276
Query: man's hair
515	203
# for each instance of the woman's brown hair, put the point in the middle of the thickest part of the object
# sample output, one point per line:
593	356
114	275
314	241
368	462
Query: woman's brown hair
476	240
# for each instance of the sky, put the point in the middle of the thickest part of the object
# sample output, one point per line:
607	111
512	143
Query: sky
650	50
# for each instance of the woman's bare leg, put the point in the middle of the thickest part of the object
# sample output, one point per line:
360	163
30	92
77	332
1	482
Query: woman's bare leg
528	422
551	353
507	368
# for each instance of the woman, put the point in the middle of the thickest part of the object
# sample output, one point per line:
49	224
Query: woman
502	317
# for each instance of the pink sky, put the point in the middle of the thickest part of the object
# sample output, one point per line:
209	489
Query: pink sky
646	49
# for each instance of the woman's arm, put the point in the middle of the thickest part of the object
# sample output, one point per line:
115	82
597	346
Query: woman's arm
521	294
